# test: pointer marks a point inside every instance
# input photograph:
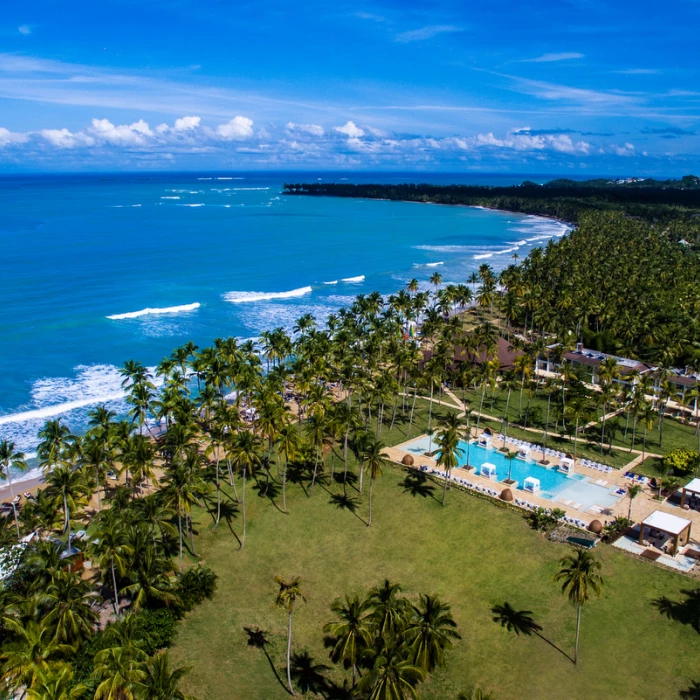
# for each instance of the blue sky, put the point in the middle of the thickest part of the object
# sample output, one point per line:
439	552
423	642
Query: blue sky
580	86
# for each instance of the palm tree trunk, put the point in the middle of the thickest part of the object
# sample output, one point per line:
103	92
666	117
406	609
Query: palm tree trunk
444	486
179	529
289	652
218	497
575	438
413	408
67	512
243	509
116	592
99	498
430	405
14	505
369	518
578	629
284	487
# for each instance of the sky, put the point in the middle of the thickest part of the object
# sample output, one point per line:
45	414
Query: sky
574	86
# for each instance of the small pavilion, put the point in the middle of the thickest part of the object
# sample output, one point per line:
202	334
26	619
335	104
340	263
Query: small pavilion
677	528
692	488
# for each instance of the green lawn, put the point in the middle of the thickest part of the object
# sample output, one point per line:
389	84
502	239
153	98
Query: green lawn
470	552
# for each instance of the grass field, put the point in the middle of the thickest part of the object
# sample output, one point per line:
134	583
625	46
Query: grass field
473	554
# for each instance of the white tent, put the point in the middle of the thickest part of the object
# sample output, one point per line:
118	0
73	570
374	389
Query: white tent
531	484
488	470
566	464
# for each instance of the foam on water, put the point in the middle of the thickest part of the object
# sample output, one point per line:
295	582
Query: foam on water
246	297
354	280
331	282
150	311
172	197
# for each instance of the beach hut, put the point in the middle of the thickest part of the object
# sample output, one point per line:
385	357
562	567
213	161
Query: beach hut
566	464
677	528
531	484
488	470
692	488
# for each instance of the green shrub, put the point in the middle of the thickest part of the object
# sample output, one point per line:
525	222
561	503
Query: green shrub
196	584
159	629
682	461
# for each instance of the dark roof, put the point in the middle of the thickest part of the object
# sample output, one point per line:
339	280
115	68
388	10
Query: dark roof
506	357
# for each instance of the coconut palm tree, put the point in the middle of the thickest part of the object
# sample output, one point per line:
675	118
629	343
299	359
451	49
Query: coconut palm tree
374	460
57	683
10	459
580	580
288	447
119	673
578	409
352	632
245	456
449	454
55	442
66	486
161	682
632	492
287	596
69	601
391	675
111	549
430	633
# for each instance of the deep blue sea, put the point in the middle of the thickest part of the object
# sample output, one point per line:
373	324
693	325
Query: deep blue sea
98	269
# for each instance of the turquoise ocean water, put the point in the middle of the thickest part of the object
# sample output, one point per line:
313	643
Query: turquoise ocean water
97	269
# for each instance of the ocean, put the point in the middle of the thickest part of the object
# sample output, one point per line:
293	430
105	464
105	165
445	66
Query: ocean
99	269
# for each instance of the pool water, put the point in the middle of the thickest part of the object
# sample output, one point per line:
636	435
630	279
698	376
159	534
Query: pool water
554	485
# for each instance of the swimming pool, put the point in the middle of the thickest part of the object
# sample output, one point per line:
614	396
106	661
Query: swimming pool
554	485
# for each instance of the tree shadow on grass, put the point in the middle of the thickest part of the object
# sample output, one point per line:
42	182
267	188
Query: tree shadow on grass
417	484
257	638
692	693
344	502
298	473
521	622
687	611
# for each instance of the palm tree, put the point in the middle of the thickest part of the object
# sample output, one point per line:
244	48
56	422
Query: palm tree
33	648
391	676
510	456
289	592
287	447
374	460
55	441
66	486
111	549
645	416
11	459
69	600
352	633
245	455
120	672
161	682
632	492
578	409
449	454
56	683
389	608
431	632
580	579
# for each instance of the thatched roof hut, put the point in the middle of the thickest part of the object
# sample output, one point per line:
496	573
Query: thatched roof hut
408	460
507	495
595	526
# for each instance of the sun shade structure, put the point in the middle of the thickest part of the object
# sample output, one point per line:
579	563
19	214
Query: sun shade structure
488	470
531	484
693	487
678	528
566	464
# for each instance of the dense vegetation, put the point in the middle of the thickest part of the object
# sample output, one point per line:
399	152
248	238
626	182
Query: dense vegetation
676	203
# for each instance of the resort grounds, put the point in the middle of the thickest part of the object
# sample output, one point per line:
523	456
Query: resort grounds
474	552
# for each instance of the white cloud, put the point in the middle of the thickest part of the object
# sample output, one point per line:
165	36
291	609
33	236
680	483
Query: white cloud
62	138
237	128
625	150
312	129
427	32
186	123
552	57
8	137
350	129
132	135
24	29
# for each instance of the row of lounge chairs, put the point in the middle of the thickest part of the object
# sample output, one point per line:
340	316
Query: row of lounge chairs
636	478
596	465
577	522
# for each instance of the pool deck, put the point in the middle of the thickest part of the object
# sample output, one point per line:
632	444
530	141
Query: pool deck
642	506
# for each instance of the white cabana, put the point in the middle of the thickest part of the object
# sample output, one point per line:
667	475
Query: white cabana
692	488
566	464
488	470
531	484
524	453
485	439
677	528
